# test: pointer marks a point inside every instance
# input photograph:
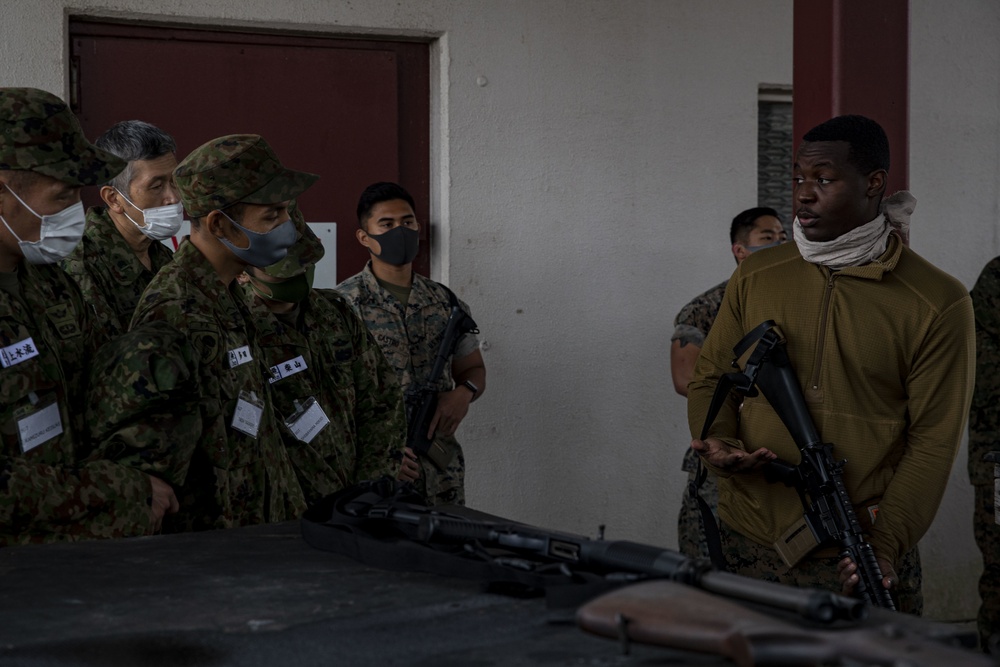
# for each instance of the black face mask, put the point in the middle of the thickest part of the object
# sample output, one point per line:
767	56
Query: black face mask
399	245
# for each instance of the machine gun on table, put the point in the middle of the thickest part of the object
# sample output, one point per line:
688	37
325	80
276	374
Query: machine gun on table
661	597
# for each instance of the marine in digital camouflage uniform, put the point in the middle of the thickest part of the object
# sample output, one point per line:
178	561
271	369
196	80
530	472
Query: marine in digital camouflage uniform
984	437
47	491
407	314
690	328
236	193
751	230
319	351
117	257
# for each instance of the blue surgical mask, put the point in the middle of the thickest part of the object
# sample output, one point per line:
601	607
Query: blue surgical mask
755	248
59	234
265	248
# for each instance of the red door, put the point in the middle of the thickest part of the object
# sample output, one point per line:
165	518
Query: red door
353	112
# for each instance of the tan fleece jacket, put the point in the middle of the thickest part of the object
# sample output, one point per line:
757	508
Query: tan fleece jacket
885	355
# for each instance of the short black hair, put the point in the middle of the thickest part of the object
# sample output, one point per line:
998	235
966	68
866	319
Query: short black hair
869	147
376	193
743	222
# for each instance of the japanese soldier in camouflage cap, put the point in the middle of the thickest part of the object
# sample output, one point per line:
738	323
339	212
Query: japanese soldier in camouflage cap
237	471
333	389
48	493
44	160
237	192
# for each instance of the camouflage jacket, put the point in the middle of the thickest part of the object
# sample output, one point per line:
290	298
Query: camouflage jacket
328	355
46	492
109	274
223	476
695	319
691	327
409	336
984	415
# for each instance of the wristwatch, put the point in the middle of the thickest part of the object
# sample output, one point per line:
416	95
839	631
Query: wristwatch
471	387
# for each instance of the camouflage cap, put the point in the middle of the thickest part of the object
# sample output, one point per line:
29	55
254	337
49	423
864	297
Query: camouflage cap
306	251
236	168
39	133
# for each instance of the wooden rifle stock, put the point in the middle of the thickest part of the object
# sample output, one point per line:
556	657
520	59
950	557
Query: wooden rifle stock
670	614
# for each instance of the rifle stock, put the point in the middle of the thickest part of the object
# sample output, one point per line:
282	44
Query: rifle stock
665	613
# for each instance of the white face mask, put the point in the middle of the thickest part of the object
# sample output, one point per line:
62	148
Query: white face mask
162	222
60	233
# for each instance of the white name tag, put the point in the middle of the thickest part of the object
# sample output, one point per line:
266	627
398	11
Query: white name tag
310	422
18	352
39	427
239	356
246	417
286	368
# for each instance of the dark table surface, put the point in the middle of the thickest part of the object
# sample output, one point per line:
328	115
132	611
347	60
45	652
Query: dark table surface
262	596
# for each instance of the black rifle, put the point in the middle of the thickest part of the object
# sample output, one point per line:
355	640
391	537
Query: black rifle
422	398
818	478
619	560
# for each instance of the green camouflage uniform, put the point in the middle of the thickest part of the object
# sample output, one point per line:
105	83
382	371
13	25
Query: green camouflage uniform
410	336
223	476
690	327
984	436
323	351
108	272
752	559
48	493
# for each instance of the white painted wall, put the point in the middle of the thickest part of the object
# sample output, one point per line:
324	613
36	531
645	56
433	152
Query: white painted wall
587	158
955	176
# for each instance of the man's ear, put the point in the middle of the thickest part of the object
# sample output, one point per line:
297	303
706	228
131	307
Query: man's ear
740	252
215	224
362	237
111	197
877	181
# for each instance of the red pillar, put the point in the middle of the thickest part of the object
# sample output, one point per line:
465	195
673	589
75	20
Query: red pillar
852	57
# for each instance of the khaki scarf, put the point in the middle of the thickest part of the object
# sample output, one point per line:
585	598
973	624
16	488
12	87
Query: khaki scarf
862	244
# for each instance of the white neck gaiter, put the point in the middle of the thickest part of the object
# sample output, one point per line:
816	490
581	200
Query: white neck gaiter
862	244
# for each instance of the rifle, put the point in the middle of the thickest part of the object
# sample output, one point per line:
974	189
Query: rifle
818	478
422	398
616	560
665	613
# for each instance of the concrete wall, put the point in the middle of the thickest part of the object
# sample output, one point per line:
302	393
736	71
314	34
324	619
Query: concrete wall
955	176
587	158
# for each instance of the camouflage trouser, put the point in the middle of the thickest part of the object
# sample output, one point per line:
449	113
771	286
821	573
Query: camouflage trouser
750	559
987	534
690	529
443	487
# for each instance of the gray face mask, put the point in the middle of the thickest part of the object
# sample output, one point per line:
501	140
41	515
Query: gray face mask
399	245
265	249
